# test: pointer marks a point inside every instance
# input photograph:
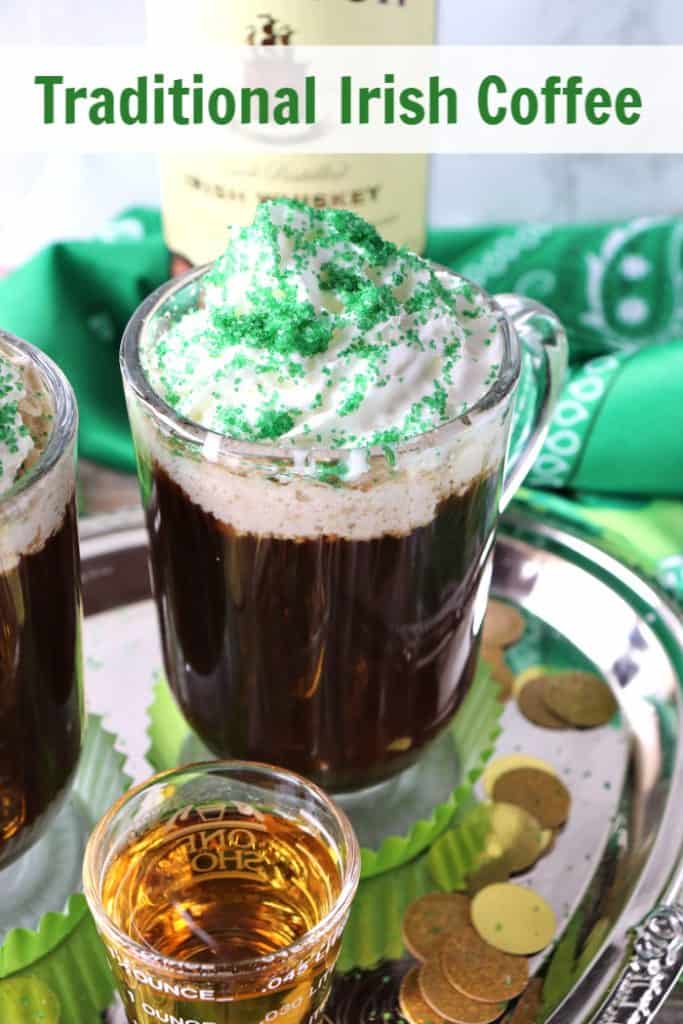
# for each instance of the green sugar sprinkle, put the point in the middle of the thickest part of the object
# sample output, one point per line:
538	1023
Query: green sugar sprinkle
311	318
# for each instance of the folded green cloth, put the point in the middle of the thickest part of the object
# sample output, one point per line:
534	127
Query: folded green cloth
618	427
73	300
618	288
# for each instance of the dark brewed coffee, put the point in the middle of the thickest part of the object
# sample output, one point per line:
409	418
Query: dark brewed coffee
40	703
338	658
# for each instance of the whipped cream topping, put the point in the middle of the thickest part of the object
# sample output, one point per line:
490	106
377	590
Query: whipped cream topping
16	442
315	332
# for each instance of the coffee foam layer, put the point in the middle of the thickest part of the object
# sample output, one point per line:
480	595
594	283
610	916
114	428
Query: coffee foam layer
29	519
392	503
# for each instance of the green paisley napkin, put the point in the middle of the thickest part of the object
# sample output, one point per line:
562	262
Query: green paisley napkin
612	464
618	289
613	460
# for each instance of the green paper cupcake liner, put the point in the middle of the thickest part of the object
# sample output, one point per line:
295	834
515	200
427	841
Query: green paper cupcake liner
454	855
28	1000
75	975
167	730
473	733
374	930
58	971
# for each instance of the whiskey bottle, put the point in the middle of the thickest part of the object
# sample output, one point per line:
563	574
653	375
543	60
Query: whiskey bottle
204	193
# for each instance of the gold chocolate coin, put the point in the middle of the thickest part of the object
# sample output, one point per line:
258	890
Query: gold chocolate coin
527	1009
517	835
530	700
548	840
489	870
430	918
503	625
480	971
412	1003
500	670
449	1002
527	674
507	763
540	794
580	698
513	919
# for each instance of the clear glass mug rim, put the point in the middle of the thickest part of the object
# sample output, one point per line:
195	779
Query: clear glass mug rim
134	375
65	422
240	968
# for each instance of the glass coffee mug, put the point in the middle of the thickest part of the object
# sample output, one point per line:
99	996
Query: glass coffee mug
41	714
221	892
324	623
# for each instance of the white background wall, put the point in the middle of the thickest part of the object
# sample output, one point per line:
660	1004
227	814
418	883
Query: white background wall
52	196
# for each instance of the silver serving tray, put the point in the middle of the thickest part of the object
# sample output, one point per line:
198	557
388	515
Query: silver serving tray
624	849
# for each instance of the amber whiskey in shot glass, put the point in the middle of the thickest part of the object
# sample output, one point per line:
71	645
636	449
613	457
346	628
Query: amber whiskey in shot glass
221	892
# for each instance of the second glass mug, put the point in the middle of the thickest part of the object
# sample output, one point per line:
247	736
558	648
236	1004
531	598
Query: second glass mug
41	704
325	625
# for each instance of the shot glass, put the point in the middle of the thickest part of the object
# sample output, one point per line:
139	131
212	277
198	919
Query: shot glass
221	891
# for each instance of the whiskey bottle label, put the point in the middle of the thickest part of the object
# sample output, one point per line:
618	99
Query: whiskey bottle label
202	194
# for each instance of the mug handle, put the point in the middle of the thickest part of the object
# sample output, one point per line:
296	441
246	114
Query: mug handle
543	340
